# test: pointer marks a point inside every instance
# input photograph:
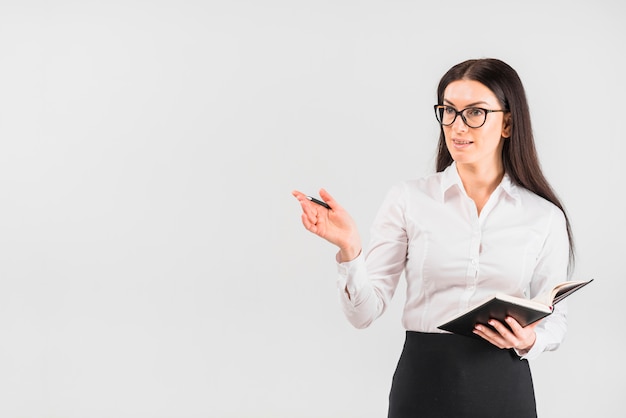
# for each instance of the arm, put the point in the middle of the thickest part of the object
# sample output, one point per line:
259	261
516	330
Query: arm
367	284
551	269
365	287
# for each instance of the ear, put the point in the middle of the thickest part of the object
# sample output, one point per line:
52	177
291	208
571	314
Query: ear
506	125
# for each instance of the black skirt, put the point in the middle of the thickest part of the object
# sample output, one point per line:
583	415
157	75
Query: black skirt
447	375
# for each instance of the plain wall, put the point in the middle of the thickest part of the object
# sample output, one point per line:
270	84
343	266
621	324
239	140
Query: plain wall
152	259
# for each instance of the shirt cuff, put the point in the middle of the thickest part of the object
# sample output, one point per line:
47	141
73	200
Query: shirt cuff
350	281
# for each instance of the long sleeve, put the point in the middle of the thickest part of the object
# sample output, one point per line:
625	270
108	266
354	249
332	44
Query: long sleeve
367	283
360	303
551	269
451	257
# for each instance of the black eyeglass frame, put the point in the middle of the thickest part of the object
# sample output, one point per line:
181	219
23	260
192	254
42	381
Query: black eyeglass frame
460	112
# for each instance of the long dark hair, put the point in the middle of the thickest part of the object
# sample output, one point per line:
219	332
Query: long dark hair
519	154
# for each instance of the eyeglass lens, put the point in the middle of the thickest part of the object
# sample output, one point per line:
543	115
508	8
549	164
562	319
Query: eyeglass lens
473	117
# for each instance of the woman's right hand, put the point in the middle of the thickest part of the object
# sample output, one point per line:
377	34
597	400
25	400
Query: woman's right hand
334	225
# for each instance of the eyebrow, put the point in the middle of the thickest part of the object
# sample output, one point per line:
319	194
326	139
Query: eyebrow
470	105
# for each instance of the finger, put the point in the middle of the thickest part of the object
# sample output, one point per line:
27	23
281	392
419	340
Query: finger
302	198
491	335
310	214
484	331
297	194
523	338
502	329
514	337
328	199
309	208
508	337
480	332
514	325
310	226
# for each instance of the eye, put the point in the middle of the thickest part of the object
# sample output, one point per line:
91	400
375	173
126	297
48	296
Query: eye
474	112
449	110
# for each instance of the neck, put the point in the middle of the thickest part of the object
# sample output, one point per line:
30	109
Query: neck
480	182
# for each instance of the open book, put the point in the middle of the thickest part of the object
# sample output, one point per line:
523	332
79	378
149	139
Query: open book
499	306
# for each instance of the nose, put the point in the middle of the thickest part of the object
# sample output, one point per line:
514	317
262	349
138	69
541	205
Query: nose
459	125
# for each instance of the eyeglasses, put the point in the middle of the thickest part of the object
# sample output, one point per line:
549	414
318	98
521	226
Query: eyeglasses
474	117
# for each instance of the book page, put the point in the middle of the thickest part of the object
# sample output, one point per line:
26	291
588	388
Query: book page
559	292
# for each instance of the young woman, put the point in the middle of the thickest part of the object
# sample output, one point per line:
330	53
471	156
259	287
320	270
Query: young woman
487	221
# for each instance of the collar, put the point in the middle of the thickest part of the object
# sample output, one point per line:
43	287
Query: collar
450	179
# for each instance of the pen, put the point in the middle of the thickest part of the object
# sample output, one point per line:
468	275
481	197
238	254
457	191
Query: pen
319	202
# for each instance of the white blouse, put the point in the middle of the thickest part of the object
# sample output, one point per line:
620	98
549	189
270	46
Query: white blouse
430	230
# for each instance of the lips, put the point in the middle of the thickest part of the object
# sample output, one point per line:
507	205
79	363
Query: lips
461	142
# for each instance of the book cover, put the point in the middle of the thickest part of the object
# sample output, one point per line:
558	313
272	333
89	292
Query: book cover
499	306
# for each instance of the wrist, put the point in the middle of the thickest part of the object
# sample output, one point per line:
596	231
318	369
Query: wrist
528	346
349	253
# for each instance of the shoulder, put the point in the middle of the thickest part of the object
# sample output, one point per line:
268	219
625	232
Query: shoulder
429	184
539	207
534	201
414	192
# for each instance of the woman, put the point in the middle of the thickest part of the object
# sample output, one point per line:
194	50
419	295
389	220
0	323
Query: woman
487	221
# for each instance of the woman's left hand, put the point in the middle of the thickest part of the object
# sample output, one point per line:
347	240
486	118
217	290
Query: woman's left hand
513	336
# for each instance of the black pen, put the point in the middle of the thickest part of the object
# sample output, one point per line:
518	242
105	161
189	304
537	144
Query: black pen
319	202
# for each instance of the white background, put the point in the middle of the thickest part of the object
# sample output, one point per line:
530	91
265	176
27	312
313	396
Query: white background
152	260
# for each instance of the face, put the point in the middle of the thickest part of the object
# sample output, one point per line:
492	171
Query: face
475	146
